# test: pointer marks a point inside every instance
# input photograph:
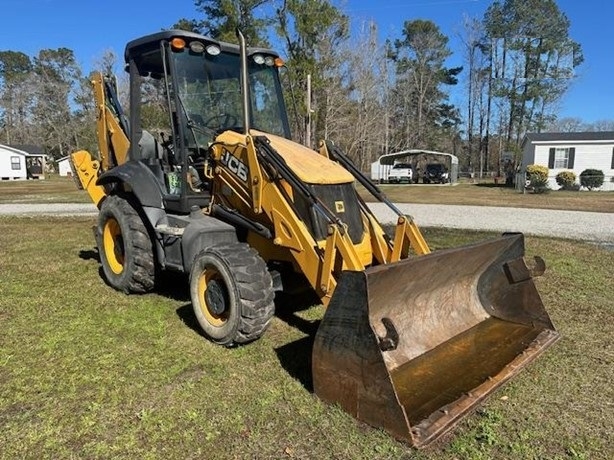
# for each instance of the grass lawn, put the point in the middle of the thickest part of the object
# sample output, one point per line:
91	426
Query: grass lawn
57	189
88	372
53	189
488	194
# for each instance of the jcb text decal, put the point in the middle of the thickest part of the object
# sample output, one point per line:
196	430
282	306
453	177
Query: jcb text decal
235	165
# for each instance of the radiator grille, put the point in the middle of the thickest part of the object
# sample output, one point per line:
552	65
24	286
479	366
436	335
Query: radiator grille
342	200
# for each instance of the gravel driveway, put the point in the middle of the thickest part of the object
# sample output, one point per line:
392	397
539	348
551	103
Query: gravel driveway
588	226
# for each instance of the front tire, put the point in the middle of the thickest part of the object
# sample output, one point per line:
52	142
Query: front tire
125	248
232	294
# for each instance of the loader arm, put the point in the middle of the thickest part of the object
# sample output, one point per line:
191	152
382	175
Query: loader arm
268	195
406	231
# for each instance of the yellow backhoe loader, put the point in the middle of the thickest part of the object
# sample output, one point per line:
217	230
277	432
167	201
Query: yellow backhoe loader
411	341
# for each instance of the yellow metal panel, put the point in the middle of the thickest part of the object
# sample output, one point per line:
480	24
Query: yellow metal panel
309	165
86	170
112	141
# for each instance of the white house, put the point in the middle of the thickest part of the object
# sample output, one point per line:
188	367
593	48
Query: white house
64	167
12	163
574	151
21	162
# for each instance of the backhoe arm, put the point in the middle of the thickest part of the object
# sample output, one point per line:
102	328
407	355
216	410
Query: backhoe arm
112	136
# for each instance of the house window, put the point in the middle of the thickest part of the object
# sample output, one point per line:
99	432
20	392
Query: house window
15	163
561	158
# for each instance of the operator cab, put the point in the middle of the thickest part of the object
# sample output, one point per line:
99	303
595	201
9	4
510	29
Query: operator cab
185	91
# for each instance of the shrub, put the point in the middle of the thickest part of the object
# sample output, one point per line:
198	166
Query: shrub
537	170
538	184
567	180
591	178
537	178
573	188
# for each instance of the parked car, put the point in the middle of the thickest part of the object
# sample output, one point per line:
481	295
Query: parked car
436	173
400	172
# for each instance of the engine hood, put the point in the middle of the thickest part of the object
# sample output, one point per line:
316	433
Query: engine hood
309	165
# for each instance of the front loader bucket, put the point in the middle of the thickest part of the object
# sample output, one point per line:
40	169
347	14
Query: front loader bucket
414	346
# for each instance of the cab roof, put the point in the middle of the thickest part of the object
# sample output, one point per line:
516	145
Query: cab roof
148	43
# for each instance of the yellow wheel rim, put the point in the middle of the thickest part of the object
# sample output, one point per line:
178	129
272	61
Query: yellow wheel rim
113	245
217	320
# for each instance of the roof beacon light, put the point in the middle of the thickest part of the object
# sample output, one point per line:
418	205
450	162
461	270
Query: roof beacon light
178	43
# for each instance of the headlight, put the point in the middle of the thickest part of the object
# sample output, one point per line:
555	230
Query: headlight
213	50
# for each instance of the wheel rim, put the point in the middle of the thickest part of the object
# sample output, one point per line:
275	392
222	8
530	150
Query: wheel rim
213	297
113	245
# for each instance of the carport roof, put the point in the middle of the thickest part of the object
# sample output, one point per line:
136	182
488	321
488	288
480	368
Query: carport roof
388	158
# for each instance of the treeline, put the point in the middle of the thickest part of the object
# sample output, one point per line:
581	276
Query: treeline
45	100
368	95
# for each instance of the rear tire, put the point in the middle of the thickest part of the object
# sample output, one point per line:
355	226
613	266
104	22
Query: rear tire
125	248
232	294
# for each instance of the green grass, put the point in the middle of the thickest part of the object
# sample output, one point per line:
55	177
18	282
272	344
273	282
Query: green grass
87	372
496	195
53	189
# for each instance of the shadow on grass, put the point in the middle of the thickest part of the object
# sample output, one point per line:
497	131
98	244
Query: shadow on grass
295	357
89	254
288	305
93	254
493	185
187	317
173	285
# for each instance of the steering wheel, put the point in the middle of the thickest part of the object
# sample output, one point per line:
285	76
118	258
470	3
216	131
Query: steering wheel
224	120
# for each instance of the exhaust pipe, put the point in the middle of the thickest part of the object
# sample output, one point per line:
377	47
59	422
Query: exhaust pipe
247	116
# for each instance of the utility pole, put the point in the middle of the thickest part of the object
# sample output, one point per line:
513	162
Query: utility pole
308	119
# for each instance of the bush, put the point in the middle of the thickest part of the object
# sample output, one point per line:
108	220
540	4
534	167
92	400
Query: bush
567	180
591	178
537	171
537	178
538	184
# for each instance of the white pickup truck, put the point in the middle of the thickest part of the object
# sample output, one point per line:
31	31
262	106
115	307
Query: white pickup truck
400	172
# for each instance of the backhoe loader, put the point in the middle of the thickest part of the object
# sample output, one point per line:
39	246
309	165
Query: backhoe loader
411	340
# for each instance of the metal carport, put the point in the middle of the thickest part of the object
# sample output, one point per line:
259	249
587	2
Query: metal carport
381	168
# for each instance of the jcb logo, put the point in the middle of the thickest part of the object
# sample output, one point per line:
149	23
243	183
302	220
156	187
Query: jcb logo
235	165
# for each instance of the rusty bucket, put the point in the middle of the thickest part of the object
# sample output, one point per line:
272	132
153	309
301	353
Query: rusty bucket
414	346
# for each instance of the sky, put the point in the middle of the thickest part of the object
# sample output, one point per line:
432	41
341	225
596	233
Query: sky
90	28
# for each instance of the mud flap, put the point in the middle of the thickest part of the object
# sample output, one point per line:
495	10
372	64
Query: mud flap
414	346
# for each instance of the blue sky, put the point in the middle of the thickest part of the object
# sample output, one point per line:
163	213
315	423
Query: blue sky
89	28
